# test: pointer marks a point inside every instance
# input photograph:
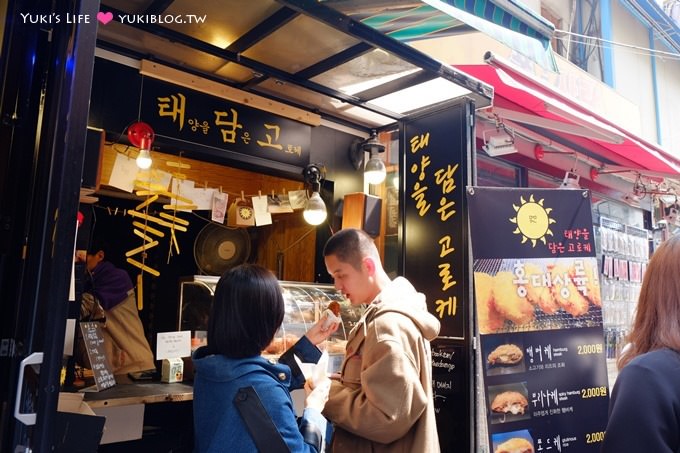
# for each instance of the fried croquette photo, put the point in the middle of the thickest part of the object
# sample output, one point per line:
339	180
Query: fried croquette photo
488	318
508	302
515	445
538	291
505	355
509	403
566	293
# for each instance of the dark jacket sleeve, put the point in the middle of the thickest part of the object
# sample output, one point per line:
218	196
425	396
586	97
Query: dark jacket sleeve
307	353
642	415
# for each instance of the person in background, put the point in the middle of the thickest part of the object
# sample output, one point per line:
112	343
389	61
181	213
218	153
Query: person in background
382	401
109	297
644	409
248	309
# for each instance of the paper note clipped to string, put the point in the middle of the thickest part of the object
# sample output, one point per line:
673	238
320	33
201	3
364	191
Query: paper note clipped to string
219	206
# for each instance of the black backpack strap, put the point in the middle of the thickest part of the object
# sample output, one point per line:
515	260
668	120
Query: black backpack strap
258	422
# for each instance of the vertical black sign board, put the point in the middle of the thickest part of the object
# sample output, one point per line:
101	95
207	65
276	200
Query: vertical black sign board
435	251
435	213
94	343
539	317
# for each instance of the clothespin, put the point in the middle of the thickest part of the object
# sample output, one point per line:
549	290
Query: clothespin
259	193
205	185
243	197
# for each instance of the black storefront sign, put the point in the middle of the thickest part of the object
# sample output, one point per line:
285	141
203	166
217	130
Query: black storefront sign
539	315
183	114
434	233
434	238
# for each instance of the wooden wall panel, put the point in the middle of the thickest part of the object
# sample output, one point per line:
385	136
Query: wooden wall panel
288	233
231	180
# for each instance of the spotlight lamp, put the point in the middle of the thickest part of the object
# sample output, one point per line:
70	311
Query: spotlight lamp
142	136
375	171
499	142
315	209
668	198
570	180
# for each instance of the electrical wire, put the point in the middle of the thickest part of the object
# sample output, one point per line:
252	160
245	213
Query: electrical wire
642	50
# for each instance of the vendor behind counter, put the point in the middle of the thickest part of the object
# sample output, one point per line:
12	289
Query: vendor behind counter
109	297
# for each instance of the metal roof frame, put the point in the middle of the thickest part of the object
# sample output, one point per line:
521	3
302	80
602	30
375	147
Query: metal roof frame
263	73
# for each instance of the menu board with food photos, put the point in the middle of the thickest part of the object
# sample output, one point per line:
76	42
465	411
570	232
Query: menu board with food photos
539	318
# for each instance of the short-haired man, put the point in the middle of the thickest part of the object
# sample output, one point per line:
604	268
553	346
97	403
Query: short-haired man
383	400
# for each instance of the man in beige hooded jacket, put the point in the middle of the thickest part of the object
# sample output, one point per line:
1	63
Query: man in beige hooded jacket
383	400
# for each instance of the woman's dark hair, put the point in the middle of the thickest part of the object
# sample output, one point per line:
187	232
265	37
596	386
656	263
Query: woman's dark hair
247	310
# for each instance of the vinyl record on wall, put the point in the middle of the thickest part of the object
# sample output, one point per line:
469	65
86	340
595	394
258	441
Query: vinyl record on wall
218	248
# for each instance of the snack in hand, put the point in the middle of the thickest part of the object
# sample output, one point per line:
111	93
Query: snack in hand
332	314
334	306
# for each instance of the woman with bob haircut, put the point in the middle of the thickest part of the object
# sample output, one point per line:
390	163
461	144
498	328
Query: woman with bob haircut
644	409
247	311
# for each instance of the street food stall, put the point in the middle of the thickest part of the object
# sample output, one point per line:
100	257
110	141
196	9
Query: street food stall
293	96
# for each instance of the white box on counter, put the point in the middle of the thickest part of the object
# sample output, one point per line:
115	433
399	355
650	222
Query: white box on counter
172	370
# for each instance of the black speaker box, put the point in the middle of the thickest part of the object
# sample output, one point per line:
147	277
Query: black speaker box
362	211
94	143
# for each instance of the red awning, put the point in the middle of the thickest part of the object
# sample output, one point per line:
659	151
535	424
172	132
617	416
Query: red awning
520	99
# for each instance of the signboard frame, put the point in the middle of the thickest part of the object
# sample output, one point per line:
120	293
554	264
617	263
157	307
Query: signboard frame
542	356
436	166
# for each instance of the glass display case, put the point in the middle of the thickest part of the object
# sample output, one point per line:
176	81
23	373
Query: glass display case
304	302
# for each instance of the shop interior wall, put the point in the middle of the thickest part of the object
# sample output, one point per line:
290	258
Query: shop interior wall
113	106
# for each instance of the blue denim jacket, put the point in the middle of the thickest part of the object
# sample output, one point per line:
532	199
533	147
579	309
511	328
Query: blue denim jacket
218	426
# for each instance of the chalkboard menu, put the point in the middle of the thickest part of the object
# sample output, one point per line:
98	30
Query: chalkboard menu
94	343
450	389
539	316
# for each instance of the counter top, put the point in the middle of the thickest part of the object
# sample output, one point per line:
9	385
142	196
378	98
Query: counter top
127	392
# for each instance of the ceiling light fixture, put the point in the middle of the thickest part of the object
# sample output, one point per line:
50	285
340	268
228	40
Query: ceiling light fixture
375	170
142	136
315	209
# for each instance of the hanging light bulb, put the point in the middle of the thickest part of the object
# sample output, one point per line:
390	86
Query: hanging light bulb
315	210
374	171
144	159
141	135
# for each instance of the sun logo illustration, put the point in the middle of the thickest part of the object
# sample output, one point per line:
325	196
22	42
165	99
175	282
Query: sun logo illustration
533	220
